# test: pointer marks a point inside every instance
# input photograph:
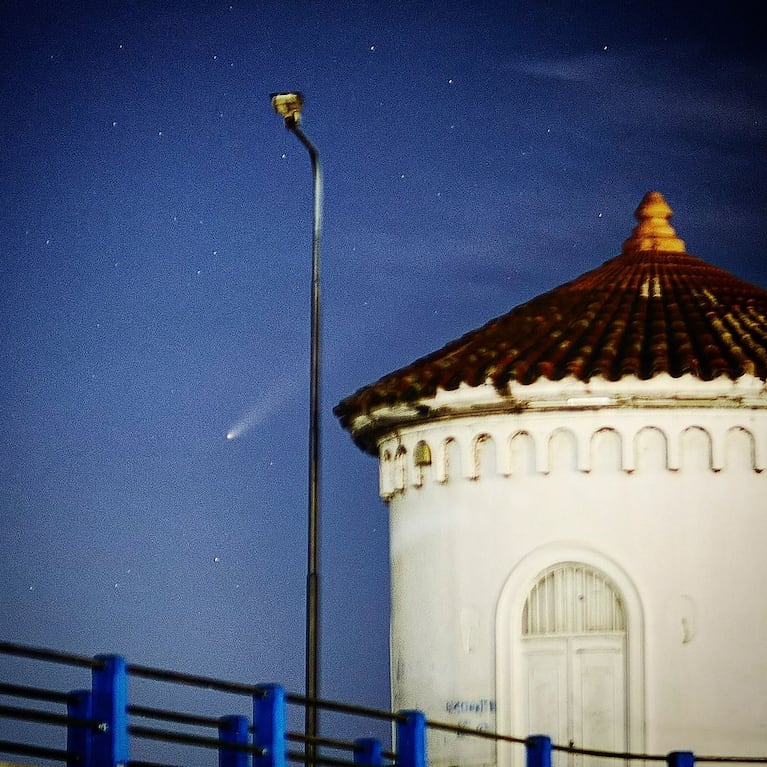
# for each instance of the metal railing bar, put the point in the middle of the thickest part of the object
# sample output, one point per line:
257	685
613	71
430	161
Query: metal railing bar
194	680
149	672
297	737
345	708
48	717
24	749
486	734
43	717
626	755
138	763
171	736
33	693
41	653
360	764
333	762
341	745
610	754
173	716
300	756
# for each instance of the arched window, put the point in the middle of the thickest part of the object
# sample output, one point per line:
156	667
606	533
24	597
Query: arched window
572	599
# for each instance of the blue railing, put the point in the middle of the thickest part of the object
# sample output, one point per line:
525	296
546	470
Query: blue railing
101	727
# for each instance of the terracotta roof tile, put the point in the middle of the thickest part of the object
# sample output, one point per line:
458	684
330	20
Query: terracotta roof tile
653	309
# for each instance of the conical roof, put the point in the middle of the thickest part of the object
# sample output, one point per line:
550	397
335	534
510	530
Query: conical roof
653	309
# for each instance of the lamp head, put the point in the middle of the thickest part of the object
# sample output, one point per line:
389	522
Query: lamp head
288	105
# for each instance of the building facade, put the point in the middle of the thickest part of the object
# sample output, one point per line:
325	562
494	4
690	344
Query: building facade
578	511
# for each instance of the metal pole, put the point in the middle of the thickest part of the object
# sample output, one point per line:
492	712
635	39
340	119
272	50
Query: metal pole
289	108
313	567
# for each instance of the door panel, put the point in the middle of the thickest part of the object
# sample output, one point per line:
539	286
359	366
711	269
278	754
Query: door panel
599	696
575	694
546	681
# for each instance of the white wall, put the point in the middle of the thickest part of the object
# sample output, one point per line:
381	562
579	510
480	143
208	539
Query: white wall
667	501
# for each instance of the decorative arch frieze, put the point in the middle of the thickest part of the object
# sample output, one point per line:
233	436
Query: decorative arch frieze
739	450
421	457
521	455
606	450
451	460
485	460
386	475
696	454
563	451
651	450
400	468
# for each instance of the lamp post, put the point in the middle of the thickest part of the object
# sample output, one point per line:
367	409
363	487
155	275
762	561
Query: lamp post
288	106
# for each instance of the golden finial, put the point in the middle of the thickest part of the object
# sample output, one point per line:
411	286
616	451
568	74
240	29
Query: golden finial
653	232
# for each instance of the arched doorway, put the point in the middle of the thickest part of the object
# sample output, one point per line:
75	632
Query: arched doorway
573	661
575	653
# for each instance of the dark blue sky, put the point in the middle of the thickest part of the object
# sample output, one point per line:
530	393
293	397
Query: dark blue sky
155	236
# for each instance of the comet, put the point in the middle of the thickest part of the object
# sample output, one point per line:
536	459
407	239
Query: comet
264	408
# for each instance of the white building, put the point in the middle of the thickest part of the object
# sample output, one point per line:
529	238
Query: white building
578	512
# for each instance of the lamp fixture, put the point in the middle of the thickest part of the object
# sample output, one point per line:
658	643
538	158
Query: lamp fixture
288	105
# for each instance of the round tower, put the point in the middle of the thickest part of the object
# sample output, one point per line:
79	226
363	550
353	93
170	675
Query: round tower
578	511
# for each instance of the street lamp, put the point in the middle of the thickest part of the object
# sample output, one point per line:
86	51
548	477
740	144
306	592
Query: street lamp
288	106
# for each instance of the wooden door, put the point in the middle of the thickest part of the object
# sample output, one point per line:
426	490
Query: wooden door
576	694
573	675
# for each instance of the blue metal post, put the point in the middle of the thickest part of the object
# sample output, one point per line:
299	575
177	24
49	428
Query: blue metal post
110	703
538	751
233	729
681	759
269	726
368	751
411	739
79	738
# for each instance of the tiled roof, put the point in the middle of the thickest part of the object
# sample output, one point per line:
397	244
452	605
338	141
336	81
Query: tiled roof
652	309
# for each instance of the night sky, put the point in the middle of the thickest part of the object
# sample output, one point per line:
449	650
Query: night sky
155	244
